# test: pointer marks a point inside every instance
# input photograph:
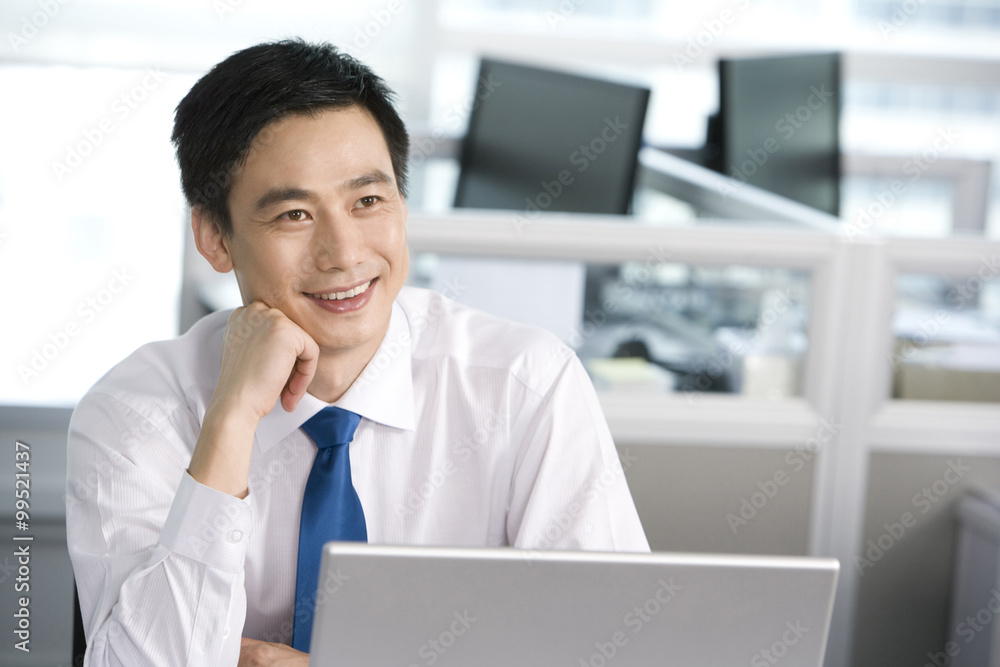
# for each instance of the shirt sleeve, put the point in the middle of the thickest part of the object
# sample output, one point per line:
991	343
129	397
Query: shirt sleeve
158	557
569	489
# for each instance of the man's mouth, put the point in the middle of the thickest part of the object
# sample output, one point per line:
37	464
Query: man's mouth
343	295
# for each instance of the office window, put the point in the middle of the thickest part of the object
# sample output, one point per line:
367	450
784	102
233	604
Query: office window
630	9
91	223
954	14
942	138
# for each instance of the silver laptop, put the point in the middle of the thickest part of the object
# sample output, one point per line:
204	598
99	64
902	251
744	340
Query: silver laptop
415	606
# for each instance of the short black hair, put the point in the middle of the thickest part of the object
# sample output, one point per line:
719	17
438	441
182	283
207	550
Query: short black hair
217	121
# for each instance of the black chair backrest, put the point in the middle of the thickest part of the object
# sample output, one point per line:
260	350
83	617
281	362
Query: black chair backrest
79	637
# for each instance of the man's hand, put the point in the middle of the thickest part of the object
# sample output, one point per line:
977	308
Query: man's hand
265	356
254	653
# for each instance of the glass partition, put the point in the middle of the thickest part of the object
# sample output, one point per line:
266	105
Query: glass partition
946	333
656	325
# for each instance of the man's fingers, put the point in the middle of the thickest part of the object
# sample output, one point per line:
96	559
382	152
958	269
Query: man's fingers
247	652
302	374
254	653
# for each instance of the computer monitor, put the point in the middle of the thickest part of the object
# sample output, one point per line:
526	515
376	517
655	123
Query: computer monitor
542	140
779	126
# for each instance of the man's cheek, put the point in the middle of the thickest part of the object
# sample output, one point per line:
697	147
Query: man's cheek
406	261
306	264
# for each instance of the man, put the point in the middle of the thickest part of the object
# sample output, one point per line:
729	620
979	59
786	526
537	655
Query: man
190	460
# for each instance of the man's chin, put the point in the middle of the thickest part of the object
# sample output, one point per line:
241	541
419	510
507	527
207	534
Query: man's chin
331	348
334	345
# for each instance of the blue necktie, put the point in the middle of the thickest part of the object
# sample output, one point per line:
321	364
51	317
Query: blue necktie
331	510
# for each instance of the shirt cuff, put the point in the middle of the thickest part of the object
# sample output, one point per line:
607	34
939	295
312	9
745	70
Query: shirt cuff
208	526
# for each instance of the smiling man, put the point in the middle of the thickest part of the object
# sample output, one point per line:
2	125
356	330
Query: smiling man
203	474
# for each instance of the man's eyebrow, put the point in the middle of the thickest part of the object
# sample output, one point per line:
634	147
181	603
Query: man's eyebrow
278	195
373	177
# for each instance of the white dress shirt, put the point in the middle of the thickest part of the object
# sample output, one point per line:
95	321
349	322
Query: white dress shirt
475	432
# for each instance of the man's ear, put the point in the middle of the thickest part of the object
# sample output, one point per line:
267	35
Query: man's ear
210	241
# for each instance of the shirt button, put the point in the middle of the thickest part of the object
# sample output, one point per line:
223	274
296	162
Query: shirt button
225	633
236	536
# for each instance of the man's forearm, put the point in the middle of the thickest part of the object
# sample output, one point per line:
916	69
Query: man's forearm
221	459
158	557
167	613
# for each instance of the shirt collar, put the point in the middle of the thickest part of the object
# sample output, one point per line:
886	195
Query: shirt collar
383	392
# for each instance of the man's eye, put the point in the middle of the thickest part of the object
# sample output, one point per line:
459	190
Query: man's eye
296	215
369	201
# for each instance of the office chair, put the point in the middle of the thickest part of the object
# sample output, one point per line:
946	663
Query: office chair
79	636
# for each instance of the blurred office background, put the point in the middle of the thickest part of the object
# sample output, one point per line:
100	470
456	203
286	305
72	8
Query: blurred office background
735	334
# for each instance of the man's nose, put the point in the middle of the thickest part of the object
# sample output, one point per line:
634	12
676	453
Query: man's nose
337	243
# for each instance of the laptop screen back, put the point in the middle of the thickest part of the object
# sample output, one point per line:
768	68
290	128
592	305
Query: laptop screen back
437	606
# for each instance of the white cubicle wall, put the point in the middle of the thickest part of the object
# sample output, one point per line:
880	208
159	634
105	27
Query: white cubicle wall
860	458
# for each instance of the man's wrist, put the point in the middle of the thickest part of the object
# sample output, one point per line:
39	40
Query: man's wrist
221	458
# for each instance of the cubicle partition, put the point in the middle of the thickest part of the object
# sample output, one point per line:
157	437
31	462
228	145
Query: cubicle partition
842	469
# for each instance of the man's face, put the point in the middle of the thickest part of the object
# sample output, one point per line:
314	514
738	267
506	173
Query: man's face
316	212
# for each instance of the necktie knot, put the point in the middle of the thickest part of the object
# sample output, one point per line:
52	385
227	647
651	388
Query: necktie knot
332	427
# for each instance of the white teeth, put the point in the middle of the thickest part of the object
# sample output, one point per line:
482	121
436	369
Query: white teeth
337	296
